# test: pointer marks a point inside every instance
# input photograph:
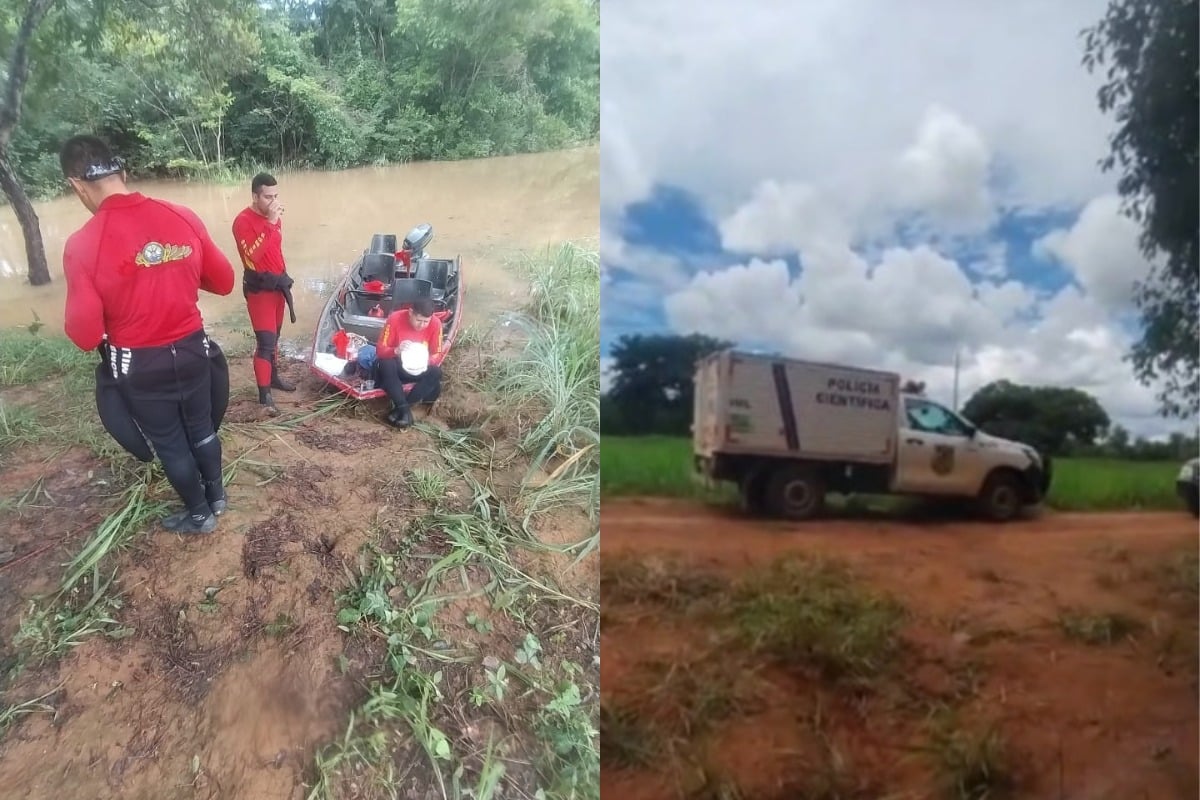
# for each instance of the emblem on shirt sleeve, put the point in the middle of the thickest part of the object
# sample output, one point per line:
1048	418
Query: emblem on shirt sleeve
154	253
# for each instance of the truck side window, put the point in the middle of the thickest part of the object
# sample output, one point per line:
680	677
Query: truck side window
932	418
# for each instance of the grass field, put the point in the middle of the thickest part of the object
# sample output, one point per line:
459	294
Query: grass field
662	466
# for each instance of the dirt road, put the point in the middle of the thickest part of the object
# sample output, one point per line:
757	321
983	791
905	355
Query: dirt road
1074	634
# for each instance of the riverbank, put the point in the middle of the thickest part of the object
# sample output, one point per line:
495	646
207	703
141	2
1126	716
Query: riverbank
378	612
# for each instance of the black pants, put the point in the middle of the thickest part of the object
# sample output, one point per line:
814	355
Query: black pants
426	387
169	393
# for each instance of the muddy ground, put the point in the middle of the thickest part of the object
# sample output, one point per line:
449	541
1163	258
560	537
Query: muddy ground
228	671
1053	658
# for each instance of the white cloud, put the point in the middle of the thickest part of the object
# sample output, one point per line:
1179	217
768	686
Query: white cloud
606	375
837	88
819	126
623	180
1101	249
945	172
782	218
885	316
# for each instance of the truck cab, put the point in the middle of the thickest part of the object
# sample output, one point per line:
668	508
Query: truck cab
939	453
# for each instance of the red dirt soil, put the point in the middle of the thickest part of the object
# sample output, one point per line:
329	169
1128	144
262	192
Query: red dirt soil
1113	722
236	671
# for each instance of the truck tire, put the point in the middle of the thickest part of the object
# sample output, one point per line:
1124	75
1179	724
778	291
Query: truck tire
795	492
1000	498
1193	502
750	494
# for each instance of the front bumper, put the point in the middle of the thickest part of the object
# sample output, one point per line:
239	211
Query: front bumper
1037	479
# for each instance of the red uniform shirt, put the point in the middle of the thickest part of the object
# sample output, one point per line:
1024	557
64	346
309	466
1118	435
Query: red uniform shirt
134	271
398	328
259	242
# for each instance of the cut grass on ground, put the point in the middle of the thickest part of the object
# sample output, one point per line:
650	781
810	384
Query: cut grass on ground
662	466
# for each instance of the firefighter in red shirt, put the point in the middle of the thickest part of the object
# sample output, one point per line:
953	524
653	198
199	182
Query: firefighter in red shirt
133	274
258	232
409	350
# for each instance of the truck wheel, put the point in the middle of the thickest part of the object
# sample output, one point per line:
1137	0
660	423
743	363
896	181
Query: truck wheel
1000	498
1193	502
750	494
796	492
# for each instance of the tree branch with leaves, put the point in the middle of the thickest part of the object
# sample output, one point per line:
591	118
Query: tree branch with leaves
1148	49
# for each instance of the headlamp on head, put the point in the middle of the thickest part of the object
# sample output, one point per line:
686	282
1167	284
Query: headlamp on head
103	169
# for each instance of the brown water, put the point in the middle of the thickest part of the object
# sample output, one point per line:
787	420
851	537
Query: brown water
484	211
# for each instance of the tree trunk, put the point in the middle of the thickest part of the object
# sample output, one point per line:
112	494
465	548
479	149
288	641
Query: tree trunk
35	250
10	113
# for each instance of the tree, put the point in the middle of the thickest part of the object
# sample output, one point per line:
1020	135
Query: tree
1118	440
913	387
652	383
10	115
1153	86
194	44
1050	418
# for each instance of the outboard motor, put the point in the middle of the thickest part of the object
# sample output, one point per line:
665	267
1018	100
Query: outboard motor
418	239
383	243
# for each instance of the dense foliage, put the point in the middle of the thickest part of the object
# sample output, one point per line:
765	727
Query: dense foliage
652	384
1149	52
196	87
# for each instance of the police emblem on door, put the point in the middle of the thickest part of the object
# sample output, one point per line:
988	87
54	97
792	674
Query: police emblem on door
943	459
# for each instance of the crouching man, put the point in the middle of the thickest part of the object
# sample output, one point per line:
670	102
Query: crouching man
410	351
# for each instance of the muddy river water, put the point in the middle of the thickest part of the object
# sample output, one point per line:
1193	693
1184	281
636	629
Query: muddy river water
485	211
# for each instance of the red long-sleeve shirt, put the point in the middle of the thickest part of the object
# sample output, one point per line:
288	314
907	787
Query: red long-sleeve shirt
259	242
135	270
398	329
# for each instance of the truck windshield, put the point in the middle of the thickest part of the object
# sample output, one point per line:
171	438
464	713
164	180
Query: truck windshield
930	417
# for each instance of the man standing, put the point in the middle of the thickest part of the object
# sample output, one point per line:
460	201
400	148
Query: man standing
410	351
133	275
258	231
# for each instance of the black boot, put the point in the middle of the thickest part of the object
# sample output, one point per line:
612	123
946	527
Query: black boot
185	522
264	398
400	417
277	382
218	500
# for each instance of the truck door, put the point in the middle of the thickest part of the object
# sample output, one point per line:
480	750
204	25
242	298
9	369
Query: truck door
937	454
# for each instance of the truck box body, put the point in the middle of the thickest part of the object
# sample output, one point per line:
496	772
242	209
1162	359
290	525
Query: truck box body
767	405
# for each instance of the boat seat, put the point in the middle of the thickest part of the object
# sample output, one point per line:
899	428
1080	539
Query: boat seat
406	290
383	243
378	267
433	270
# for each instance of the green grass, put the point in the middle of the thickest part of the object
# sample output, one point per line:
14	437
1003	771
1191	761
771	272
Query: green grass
662	466
29	357
971	764
1098	628
557	378
807	612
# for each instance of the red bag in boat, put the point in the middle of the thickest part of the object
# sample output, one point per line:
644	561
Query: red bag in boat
340	340
373	286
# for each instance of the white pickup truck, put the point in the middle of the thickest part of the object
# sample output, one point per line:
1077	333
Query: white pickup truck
788	432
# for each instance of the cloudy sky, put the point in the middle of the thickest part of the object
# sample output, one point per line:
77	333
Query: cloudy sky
870	182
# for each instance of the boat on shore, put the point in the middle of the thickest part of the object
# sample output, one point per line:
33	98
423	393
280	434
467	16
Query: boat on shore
382	280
